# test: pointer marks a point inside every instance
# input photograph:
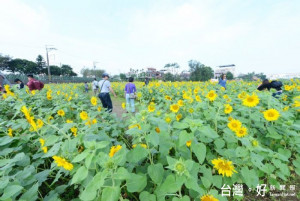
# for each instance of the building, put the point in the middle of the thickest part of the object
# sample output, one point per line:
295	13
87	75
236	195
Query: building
223	70
185	75
152	72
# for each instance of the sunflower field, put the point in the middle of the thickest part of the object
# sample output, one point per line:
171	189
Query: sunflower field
188	141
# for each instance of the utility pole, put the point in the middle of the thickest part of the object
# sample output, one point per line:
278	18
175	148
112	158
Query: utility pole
94	64
48	49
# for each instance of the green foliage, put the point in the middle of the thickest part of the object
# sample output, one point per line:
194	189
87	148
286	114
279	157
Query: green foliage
123	77
86	72
41	65
162	165
229	76
253	76
169	77
200	72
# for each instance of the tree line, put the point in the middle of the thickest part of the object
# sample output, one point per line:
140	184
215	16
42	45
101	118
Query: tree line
24	66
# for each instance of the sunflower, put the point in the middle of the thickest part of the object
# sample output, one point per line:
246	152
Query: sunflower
241	132
40	123
45	149
151	108
94	101
99	109
174	108
135	126
69	121
198	99
227	109
74	130
61	113
10	132
157	130
84	115
114	150
42	142
168	119
242	95
139	95
123	105
180	103
254	143
188	143
61	162
251	101
271	115
191	110
288	87
168	97
224	167
178	117
208	198
234	124
211	95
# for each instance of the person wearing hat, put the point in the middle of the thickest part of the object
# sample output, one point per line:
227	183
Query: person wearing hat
105	88
34	84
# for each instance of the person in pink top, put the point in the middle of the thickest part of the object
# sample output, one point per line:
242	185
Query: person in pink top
34	84
130	91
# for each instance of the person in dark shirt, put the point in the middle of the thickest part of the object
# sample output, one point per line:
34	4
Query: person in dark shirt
146	81
271	85
21	84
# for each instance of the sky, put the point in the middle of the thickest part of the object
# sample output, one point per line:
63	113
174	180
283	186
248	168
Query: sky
261	36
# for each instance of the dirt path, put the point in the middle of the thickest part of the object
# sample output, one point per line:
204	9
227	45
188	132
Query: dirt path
117	106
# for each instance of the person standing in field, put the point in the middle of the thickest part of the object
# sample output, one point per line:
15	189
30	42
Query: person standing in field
130	91
34	84
3	82
86	87
21	84
146	81
95	86
105	88
223	81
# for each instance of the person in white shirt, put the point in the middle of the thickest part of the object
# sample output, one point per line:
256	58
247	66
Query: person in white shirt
95	86
105	88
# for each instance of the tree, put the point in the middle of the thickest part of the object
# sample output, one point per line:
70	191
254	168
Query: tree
4	61
229	75
86	72
41	64
251	76
55	70
123	77
261	76
168	77
22	66
200	72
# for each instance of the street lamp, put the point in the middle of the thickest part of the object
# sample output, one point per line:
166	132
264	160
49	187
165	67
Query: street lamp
48	49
